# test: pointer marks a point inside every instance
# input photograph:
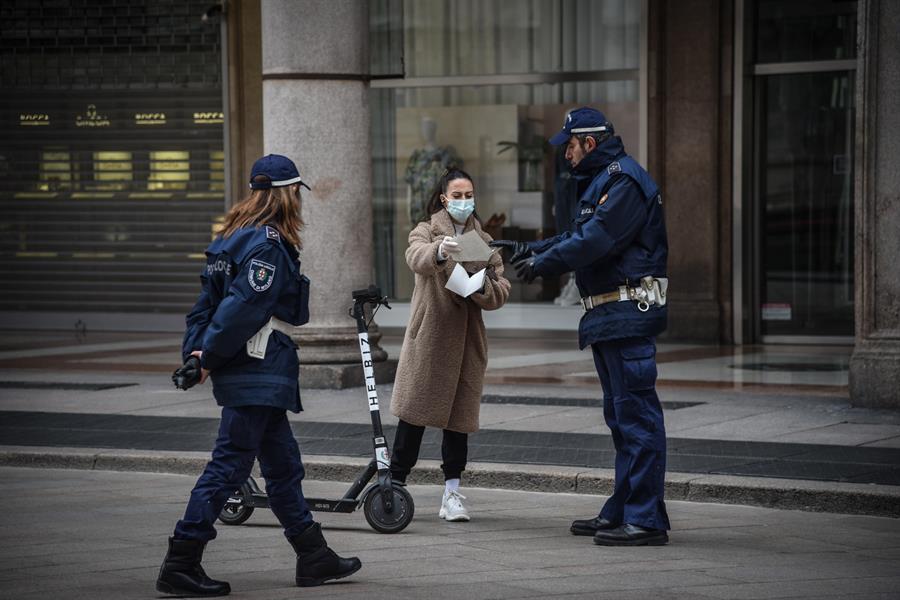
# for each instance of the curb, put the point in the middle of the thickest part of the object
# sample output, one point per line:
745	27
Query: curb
784	494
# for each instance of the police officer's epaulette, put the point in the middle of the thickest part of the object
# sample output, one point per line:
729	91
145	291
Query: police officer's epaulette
614	167
272	233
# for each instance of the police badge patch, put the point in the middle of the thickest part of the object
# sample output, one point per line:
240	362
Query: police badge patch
261	275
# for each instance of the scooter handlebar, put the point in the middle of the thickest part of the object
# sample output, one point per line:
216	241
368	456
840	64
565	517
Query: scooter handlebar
370	295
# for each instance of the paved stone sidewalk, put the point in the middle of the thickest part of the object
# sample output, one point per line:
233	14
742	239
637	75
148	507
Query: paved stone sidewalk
100	535
853	464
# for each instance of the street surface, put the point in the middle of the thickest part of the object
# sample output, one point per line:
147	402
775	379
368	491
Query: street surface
101	535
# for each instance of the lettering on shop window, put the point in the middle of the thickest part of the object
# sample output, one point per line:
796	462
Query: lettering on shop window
206	118
150	118
32	119
91	118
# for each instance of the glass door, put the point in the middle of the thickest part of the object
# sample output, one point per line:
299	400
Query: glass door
805	220
803	170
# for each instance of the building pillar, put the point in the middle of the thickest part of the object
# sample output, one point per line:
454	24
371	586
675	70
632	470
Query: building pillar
244	118
875	363
689	155
315	96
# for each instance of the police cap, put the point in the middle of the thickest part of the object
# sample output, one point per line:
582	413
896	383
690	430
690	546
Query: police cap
279	171
582	121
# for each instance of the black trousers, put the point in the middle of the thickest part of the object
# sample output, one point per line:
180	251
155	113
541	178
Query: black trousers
408	441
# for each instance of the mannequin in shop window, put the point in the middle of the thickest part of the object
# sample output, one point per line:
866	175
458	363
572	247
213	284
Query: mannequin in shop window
425	167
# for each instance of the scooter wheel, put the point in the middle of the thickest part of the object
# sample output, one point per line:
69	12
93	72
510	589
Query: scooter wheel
388	522
235	510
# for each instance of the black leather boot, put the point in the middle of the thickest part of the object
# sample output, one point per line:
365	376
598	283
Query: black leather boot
631	535
316	562
182	575
590	526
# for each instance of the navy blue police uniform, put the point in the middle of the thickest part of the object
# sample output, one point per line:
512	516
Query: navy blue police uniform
250	277
618	238
252	292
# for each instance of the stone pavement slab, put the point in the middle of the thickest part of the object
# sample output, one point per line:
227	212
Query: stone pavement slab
693	413
779	432
101	535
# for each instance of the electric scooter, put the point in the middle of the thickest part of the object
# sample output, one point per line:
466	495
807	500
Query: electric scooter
387	505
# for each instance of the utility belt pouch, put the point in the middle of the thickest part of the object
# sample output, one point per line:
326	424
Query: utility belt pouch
256	346
654	289
651	291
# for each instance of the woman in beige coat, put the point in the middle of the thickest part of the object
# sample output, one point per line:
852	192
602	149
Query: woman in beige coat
441	370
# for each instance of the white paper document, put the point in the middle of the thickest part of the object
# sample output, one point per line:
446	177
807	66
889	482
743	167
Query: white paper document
471	248
460	282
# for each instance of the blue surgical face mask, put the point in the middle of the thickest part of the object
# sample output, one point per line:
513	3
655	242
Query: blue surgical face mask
461	209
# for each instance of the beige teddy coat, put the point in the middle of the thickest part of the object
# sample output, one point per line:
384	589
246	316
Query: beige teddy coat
440	374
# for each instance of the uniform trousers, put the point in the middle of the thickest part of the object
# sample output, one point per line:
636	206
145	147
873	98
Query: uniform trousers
245	434
408	441
627	370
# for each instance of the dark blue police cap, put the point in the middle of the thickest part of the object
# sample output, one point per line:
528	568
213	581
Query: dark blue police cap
582	120
280	170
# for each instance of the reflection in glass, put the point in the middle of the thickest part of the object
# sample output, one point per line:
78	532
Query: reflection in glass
487	37
806	189
805	30
496	133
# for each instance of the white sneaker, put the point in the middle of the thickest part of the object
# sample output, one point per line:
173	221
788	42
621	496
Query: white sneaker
452	508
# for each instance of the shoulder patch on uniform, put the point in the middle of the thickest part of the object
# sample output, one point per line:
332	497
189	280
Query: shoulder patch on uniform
261	275
272	233
614	167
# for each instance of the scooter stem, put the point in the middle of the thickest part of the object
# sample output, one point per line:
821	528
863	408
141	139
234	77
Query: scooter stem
382	457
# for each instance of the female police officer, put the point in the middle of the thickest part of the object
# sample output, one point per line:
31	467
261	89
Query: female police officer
252	282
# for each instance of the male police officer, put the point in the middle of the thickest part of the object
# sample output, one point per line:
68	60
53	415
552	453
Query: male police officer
618	251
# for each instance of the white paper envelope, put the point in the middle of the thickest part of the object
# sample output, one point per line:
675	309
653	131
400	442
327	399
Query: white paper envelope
471	248
460	282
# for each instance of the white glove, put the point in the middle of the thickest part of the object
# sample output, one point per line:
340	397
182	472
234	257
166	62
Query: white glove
448	246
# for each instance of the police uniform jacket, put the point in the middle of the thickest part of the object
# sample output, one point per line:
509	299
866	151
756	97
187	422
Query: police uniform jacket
619	236
250	276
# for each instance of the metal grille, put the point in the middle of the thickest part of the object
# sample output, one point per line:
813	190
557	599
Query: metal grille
112	44
111	159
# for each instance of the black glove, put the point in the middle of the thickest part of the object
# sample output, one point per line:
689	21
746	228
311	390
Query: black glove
188	375
519	250
525	269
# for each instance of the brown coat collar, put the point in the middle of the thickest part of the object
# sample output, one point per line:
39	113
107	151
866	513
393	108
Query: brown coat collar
442	224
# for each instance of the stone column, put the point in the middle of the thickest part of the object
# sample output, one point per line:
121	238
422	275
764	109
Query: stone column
875	363
315	66
689	156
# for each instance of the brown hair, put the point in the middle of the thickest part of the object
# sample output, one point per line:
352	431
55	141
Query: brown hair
278	207
434	204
